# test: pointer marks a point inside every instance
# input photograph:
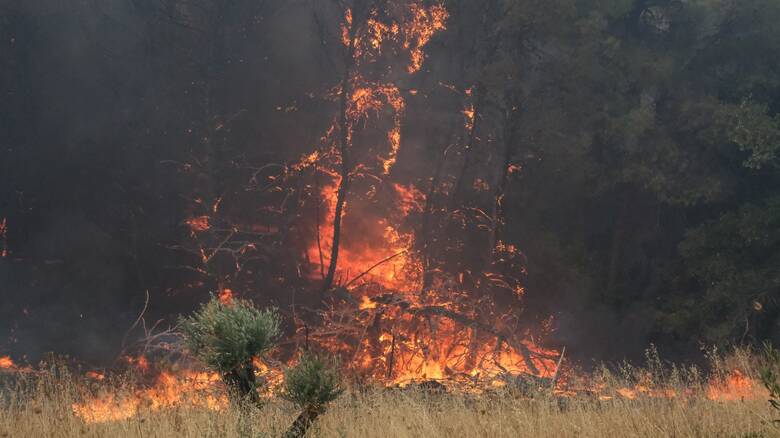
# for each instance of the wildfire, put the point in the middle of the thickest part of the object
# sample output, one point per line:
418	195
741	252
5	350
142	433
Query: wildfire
7	363
734	387
415	334
198	224
140	363
388	254
95	375
410	199
226	296
193	388
425	23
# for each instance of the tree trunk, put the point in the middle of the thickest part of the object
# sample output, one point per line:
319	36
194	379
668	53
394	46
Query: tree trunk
425	229
242	382
497	211
302	424
345	137
468	152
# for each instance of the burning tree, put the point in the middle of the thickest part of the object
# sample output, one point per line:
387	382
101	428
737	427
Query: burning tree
406	301
401	270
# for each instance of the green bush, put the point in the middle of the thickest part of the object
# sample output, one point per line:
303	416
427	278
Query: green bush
311	385
226	336
770	377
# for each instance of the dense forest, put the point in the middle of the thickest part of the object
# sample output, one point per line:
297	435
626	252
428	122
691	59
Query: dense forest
627	148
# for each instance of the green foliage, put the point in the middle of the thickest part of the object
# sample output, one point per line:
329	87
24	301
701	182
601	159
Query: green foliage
736	259
227	336
770	376
313	382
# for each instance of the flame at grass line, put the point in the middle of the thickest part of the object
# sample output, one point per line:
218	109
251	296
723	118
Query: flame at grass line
190	388
169	389
7	363
736	387
204	390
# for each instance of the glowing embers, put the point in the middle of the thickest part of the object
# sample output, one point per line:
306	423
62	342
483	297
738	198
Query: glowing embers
408	26
420	29
199	224
368	99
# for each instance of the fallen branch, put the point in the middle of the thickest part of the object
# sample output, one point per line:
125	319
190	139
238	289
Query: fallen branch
376	265
557	369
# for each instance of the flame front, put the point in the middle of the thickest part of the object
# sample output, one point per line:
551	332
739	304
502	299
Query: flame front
736	386
7	363
197	389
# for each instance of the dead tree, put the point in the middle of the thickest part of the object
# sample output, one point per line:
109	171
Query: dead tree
359	11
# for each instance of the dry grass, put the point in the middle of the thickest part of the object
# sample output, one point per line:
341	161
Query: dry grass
41	407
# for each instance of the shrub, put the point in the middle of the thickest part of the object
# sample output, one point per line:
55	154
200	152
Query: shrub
770	378
227	336
311	385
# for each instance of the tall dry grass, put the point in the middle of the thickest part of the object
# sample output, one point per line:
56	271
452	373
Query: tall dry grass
41	406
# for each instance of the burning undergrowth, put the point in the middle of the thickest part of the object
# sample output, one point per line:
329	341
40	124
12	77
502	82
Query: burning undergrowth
151	387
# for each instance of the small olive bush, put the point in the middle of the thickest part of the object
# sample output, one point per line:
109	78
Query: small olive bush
226	336
311	385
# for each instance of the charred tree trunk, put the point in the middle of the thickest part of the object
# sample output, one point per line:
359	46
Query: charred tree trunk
425	229
302	424
242	383
345	137
499	191
468	150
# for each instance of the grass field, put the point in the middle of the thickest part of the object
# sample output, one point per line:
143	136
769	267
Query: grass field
645	402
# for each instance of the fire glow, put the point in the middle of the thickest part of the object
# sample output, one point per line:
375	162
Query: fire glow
385	321
412	331
194	389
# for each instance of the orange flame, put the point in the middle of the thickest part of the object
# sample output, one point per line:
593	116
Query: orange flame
419	31
7	363
226	296
199	224
735	387
196	389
